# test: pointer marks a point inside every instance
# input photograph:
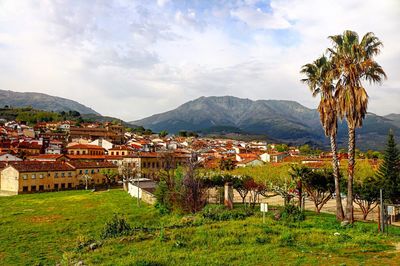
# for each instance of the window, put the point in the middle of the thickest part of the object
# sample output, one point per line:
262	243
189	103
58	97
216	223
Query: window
24	177
69	185
62	174
56	175
92	171
25	189
112	153
77	152
123	153
83	152
33	188
69	174
33	176
41	188
41	176
62	186
55	186
80	171
86	171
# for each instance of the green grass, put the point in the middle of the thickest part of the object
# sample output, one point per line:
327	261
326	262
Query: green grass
45	229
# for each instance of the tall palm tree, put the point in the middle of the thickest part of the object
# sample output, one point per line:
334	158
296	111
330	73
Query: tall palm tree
353	61
319	79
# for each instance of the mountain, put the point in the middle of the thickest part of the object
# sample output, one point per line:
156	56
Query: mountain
42	101
285	121
393	119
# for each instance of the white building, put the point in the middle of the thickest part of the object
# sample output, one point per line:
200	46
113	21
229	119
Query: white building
102	143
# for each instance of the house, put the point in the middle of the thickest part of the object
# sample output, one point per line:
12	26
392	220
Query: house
273	157
102	143
47	158
243	156
85	149
143	188
29	147
27	176
93	170
33	176
121	150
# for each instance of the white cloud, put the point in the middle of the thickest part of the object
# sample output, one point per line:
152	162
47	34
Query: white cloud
256	18
133	59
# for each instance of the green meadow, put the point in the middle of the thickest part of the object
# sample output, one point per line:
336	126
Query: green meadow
58	228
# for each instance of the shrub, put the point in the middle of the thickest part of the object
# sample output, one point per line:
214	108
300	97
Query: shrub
262	240
219	213
287	239
117	226
292	213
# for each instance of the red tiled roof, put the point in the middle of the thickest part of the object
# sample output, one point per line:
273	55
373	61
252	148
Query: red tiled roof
45	157
119	148
83	165
35	166
85	146
85	157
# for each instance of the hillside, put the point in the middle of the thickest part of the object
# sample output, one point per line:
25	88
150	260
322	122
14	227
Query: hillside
41	101
286	121
37	231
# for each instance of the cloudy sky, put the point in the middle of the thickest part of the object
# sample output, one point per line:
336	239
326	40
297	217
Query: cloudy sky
132	59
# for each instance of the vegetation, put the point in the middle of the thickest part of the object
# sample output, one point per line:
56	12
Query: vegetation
320	81
61	227
389	171
339	82
354	62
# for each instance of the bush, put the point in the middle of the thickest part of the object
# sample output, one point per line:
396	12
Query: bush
287	240
220	213
117	226
292	213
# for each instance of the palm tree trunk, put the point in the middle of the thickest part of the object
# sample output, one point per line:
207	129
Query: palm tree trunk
349	205
336	175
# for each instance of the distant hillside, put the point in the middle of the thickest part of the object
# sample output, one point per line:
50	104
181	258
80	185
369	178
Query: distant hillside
41	101
286	121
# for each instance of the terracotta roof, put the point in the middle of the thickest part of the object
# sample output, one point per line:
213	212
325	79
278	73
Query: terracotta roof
45	157
29	145
119	148
85	146
85	157
36	166
83	165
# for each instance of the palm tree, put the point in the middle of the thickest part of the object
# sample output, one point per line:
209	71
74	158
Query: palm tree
319	79
353	63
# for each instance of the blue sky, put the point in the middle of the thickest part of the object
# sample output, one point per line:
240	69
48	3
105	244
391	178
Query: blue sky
131	59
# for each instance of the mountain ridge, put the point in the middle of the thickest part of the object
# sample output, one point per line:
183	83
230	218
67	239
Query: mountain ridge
284	120
42	101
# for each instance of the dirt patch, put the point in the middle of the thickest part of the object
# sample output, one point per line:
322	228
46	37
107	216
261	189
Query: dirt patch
396	248
45	218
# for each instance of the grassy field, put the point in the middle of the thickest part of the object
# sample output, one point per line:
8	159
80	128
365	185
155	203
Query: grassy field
45	229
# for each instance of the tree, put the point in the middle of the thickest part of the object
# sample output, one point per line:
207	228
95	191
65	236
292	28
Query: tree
163	133
110	175
305	149
299	173
239	184
366	194
320	186
319	79
389	171
226	164
183	133
353	62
